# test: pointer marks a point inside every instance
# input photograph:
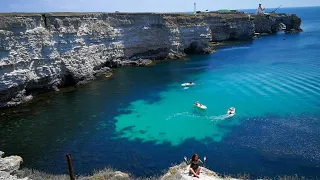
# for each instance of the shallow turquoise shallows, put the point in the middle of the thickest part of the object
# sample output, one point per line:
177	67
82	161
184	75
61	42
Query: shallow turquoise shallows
269	76
142	120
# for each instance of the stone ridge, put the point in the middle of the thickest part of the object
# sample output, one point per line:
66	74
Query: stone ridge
43	52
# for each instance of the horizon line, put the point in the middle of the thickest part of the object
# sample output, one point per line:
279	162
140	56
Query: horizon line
3	12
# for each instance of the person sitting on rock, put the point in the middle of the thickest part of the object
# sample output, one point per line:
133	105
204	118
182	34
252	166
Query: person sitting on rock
195	164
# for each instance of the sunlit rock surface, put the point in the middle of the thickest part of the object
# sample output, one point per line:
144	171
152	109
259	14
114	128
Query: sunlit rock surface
42	52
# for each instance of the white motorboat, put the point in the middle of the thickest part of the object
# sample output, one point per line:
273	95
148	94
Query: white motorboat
201	106
231	112
188	84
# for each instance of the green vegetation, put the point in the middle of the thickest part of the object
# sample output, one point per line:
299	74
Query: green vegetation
223	10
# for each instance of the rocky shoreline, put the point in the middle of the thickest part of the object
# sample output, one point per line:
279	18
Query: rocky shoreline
45	52
10	170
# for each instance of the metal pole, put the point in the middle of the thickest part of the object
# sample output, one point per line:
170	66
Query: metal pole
70	167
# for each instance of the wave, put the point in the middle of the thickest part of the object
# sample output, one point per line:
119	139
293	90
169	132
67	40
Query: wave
193	115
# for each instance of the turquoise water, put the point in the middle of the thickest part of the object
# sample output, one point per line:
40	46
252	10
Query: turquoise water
142	120
265	85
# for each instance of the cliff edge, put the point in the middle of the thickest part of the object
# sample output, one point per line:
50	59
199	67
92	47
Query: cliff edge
9	170
181	172
43	52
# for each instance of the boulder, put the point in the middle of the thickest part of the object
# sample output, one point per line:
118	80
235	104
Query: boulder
293	31
121	175
6	176
144	62
10	164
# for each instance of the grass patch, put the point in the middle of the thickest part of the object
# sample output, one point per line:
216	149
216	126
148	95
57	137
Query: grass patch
104	174
111	174
38	175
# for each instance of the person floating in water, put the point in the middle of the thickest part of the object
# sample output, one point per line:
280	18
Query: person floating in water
195	164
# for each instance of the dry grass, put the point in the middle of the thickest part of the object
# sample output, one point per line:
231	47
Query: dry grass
243	176
104	174
38	175
111	174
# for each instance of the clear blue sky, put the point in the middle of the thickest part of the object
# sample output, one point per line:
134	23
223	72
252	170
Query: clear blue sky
142	5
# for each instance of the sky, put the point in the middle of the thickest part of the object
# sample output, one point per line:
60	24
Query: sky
142	5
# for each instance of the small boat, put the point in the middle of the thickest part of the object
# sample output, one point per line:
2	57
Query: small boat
188	84
231	112
201	106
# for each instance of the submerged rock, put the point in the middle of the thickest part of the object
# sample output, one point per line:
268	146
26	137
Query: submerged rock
293	31
21	97
144	62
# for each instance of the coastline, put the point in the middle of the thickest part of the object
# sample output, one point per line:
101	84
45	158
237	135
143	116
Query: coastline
17	109
44	98
56	50
10	170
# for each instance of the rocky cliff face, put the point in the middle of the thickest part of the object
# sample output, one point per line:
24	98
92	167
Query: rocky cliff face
272	23
42	52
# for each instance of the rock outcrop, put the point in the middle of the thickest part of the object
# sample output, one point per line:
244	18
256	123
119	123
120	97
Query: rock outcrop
181	172
9	166
271	23
43	52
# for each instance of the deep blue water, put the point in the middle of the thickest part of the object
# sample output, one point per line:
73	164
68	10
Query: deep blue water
140	120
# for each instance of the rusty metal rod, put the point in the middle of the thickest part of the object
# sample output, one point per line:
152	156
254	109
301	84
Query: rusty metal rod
72	177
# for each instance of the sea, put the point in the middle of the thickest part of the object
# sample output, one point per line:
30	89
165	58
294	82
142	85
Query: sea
142	121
